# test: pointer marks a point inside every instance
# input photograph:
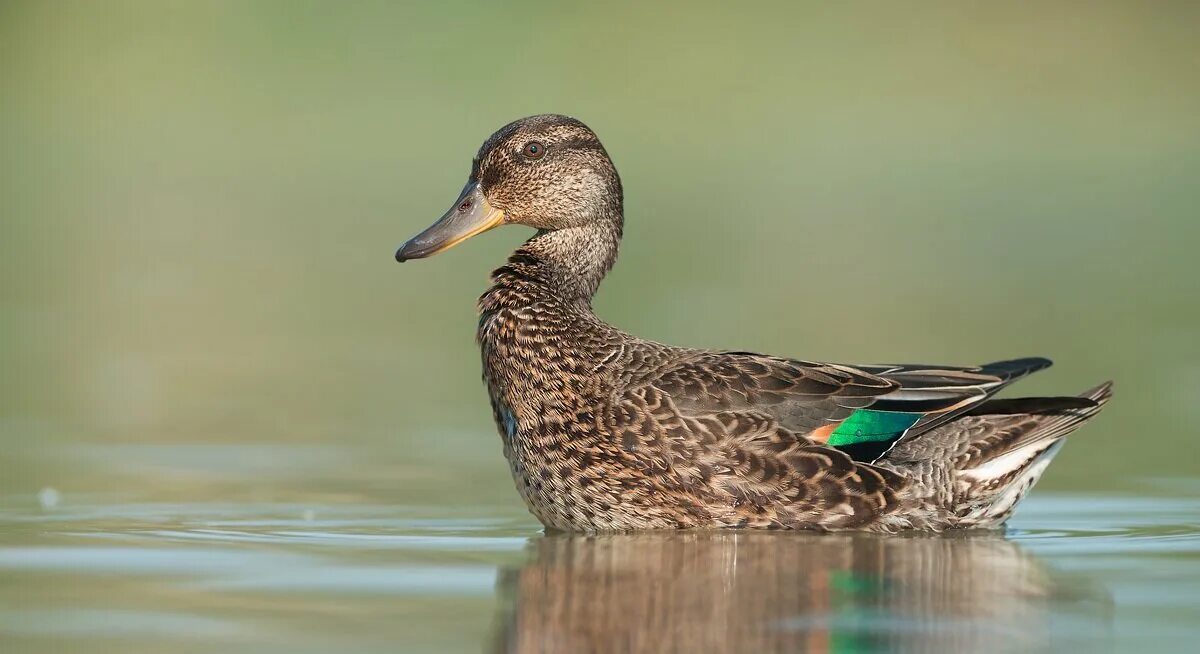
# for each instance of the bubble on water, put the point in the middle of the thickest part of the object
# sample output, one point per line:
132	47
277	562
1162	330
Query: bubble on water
48	497
309	515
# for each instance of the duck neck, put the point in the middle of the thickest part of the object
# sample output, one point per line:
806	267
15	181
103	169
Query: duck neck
567	264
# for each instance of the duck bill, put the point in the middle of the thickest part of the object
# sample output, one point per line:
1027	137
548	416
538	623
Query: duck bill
470	215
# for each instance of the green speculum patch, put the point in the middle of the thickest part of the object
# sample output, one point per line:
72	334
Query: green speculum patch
867	426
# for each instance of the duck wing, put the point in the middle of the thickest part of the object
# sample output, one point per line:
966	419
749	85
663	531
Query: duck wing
863	410
791	442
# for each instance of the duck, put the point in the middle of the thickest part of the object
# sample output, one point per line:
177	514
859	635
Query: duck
607	432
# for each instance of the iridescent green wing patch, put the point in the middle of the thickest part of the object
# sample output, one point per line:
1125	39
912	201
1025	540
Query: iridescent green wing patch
867	426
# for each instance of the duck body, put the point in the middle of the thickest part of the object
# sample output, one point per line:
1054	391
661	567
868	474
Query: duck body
604	431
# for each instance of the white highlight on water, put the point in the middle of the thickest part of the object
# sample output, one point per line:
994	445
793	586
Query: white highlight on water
49	497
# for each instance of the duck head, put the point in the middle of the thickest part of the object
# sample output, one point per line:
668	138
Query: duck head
548	172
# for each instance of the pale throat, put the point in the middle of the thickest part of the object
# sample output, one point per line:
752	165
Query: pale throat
575	259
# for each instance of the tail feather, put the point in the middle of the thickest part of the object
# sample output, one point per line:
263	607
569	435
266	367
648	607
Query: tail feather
976	467
1035	421
1002	466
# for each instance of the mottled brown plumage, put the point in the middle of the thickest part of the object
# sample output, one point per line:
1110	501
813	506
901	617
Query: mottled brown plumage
608	432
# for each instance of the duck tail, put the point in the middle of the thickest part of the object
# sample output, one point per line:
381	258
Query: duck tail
981	465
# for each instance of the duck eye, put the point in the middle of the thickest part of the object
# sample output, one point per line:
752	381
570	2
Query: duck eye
533	150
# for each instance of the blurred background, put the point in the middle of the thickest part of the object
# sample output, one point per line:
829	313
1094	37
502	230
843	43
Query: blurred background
229	420
200	202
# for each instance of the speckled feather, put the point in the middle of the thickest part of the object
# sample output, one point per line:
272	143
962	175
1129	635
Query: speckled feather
608	432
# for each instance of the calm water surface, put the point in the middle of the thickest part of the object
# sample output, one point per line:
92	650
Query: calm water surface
340	566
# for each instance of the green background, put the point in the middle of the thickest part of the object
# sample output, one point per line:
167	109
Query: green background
200	202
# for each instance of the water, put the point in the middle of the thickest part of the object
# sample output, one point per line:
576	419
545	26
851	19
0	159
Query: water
344	567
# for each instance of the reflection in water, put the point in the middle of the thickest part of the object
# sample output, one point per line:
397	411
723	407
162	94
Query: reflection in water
765	592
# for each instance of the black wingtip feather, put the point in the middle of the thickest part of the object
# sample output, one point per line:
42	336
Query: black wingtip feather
1032	405
1090	400
1016	367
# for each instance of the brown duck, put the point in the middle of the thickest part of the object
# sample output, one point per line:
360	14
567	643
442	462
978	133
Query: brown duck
605	431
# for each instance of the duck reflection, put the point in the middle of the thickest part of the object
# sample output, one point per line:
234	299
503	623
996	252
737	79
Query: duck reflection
767	592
